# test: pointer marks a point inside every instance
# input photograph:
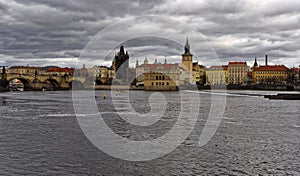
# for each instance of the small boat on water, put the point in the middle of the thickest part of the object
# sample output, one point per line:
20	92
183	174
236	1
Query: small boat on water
16	85
19	88
282	96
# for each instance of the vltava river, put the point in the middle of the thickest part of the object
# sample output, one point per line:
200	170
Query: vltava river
40	135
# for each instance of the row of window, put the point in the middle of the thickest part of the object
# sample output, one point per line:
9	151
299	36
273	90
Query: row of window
159	83
237	72
276	72
270	77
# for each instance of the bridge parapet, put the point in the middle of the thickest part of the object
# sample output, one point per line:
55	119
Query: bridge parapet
40	81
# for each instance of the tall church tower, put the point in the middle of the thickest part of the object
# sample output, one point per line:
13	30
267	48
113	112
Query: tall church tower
187	57
121	65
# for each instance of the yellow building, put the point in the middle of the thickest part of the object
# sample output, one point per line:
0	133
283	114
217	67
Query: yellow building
103	74
217	75
24	70
199	73
161	76
270	74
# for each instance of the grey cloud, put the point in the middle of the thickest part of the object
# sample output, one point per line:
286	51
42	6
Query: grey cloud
38	31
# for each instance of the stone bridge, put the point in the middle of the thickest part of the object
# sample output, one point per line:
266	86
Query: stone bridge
38	82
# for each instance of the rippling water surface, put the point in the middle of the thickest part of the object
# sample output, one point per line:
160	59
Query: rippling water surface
39	135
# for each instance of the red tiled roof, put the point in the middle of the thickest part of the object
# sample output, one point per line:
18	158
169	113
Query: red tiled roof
295	69
236	63
272	68
57	69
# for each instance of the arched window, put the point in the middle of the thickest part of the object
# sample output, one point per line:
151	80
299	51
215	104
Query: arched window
156	77
167	83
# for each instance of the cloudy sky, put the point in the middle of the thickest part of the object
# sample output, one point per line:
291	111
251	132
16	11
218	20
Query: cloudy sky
56	32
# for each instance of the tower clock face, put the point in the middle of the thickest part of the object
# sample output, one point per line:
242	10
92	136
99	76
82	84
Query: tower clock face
185	58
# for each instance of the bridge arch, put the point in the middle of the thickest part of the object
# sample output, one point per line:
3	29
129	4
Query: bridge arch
76	85
36	80
26	82
55	84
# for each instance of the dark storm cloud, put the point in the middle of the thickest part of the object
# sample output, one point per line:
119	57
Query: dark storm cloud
52	31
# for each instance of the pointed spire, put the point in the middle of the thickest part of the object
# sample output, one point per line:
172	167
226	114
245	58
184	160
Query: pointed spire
165	60
187	40
137	63
187	47
255	63
122	52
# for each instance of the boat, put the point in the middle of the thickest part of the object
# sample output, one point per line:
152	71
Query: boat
282	96
17	87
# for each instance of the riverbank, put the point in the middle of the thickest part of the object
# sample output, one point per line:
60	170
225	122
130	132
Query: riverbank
140	88
228	87
255	87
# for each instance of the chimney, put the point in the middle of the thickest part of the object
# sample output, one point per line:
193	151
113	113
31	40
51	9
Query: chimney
266	60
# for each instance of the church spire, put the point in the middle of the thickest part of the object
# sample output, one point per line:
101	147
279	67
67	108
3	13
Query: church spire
165	60
122	52
255	63
187	41
187	47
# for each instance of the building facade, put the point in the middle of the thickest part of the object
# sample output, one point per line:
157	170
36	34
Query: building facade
161	76
294	75
57	71
24	70
237	73
217	75
199	73
270	74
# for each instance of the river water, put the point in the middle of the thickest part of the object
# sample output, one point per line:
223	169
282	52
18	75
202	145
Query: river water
40	135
